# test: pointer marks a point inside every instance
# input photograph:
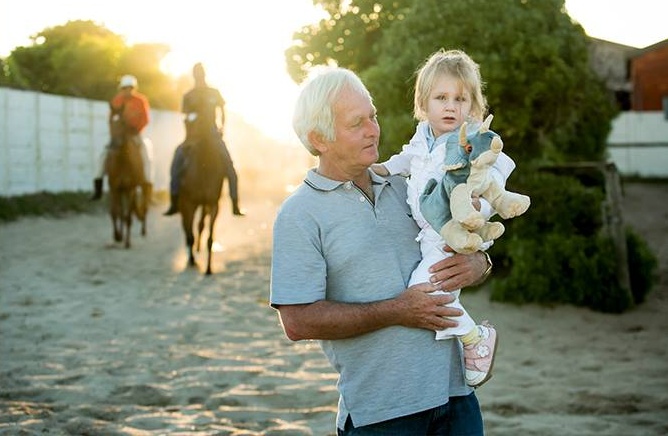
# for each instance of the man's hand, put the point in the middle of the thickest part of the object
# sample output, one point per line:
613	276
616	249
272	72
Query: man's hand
420	308
458	270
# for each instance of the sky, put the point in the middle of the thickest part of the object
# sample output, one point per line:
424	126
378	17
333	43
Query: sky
242	43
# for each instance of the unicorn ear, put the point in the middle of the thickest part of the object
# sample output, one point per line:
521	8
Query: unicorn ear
486	123
462	135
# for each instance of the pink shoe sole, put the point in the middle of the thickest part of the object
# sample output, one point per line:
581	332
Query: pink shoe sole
479	359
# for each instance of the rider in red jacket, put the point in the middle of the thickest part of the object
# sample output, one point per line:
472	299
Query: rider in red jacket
133	106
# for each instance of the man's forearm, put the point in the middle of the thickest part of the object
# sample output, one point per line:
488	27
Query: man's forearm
415	307
335	320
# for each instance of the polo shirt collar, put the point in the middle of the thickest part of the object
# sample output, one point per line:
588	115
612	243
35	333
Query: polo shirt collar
322	183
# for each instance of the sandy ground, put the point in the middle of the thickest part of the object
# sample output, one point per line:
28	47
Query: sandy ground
99	340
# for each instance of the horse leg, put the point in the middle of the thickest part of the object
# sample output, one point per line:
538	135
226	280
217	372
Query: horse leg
200	226
140	210
116	225
190	240
115	216
143	224
187	213
132	201
128	227
213	213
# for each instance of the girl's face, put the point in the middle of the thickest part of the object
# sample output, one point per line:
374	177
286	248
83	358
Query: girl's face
448	105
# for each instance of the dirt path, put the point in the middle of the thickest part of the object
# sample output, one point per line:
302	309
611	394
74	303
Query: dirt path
96	339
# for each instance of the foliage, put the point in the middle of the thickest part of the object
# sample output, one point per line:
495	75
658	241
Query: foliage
558	252
548	104
643	265
347	37
83	59
47	204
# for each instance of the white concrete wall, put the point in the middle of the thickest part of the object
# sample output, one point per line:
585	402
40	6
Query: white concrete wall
53	143
638	144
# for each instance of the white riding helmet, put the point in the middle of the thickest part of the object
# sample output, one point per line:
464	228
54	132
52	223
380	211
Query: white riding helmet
128	80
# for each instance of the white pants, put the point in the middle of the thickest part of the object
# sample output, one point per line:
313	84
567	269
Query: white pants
431	245
146	151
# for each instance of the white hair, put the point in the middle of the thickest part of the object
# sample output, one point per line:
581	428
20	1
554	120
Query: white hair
314	108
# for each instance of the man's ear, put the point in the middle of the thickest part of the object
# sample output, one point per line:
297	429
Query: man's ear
318	142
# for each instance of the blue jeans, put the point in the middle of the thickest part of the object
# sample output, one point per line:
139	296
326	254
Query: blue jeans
461	416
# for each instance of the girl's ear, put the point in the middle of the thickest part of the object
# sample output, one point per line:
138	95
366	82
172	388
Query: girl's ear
318	142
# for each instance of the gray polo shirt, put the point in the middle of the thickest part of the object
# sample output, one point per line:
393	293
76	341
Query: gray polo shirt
331	242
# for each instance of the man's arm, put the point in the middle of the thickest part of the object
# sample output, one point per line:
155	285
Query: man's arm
414	308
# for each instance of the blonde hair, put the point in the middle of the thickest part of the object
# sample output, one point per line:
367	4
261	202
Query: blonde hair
454	63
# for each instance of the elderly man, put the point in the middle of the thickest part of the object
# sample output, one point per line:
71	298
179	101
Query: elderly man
343	251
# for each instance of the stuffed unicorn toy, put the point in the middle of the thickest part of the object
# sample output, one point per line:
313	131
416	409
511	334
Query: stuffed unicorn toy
446	204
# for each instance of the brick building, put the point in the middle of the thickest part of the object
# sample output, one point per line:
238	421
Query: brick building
649	76
638	78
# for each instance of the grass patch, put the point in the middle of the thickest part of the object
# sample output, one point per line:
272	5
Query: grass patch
49	204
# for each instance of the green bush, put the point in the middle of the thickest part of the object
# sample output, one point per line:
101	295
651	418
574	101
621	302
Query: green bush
557	252
643	265
47	203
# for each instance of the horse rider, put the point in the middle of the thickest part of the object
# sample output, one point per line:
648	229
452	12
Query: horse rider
133	107
200	105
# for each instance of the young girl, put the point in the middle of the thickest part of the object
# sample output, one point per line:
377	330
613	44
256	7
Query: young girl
448	92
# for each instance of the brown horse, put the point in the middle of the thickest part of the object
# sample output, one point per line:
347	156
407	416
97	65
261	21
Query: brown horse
201	186
126	174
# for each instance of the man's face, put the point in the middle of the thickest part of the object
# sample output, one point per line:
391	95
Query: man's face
357	133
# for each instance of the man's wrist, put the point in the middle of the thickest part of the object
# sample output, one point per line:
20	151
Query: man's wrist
488	270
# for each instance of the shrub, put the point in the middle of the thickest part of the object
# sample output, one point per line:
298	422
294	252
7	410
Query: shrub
47	203
643	266
558	253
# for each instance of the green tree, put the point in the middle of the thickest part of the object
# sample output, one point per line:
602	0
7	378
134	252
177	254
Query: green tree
347	37
83	59
4	73
548	104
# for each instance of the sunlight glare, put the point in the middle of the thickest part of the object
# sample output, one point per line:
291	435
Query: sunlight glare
217	247
242	49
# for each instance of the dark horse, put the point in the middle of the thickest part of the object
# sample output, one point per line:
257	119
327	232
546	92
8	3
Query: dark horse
126	174
201	186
